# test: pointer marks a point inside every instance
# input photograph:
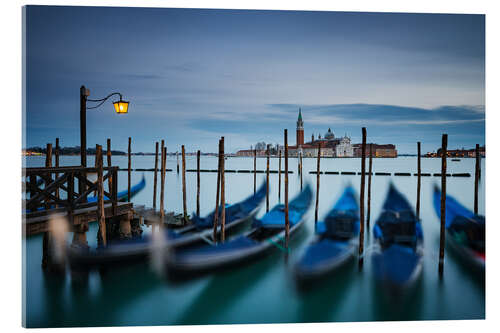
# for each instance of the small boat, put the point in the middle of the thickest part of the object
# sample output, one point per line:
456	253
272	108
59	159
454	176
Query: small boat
123	195
335	242
398	253
265	234
465	231
200	230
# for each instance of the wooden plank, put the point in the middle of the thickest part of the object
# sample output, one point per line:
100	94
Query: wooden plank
39	224
43	170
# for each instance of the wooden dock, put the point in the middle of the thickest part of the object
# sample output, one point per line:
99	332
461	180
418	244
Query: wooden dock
38	222
55	195
63	192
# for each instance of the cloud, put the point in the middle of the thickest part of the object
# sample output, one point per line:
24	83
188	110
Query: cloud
386	115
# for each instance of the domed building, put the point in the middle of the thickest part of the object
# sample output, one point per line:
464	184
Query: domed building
328	143
329	135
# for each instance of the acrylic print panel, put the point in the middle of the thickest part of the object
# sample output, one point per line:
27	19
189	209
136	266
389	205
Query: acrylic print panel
202	203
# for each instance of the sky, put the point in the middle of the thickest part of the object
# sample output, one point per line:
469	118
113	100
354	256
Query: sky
194	75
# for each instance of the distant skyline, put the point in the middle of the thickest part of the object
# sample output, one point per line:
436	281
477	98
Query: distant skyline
193	75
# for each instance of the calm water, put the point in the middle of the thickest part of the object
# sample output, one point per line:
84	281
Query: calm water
263	291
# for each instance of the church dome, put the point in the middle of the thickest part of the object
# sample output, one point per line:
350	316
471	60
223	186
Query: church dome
329	135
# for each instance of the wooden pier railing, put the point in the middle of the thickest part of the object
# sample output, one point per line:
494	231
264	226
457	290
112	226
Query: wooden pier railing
62	180
54	190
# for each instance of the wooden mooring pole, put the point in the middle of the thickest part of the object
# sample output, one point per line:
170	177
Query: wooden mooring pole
279	175
298	163
48	156
267	179
57	164
301	170
198	153
476	178
184	204
108	156
419	179
216	215
368	204
96	162
254	171
48	164
177	155
129	166
287	222
222	194
162	180
155	176
443	203
317	185
362	200
46	255
101	238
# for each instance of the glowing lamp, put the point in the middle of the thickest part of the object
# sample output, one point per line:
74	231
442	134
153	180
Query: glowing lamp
121	106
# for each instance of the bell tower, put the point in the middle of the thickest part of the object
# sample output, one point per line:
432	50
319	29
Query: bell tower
300	130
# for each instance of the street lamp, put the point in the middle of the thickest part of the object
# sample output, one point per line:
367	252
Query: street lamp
121	106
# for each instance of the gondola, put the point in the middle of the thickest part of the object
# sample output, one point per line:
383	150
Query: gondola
202	228
199	230
122	196
266	233
398	251
465	231
335	242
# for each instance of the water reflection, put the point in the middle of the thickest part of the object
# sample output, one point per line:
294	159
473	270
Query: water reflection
224	290
397	304
327	292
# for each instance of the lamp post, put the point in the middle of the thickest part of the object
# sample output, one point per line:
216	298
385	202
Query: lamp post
121	106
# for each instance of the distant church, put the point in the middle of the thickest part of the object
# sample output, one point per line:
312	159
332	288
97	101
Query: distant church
330	146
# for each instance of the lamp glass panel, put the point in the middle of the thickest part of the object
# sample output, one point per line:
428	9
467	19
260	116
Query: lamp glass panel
121	106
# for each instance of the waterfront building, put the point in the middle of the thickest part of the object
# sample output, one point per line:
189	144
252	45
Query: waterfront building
310	149
250	152
459	152
386	150
344	148
331	146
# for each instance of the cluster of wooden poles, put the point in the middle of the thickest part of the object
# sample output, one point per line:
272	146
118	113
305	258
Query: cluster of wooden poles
419	174
100	180
220	200
220	193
